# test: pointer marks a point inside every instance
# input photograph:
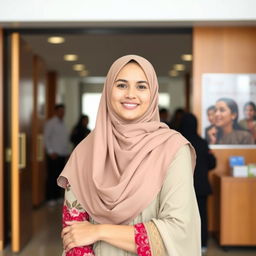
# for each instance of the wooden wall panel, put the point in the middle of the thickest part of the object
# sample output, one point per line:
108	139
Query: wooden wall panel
39	116
1	145
51	90
222	50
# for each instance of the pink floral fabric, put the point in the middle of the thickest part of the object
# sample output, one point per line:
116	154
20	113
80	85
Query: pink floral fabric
74	212
141	240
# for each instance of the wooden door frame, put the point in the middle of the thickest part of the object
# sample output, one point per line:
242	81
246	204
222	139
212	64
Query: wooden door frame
15	56
1	145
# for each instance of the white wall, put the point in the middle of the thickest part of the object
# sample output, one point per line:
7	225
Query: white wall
13	11
68	94
176	89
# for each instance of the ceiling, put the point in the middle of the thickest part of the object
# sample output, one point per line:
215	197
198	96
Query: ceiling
98	51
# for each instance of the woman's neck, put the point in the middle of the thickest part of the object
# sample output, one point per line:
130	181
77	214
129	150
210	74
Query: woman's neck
227	129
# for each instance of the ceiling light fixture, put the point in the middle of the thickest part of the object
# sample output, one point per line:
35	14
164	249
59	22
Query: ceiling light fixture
186	57
56	40
70	57
173	73
84	73
179	67
78	67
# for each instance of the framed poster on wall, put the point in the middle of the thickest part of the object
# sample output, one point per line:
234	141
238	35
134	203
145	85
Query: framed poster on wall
229	110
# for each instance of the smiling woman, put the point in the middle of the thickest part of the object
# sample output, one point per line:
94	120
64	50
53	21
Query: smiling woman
130	96
129	186
228	130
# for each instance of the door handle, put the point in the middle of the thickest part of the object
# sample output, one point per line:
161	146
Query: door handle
40	149
22	150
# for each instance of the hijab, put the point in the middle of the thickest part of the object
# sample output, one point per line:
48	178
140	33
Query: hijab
120	167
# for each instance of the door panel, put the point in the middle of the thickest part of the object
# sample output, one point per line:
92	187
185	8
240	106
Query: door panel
21	126
39	116
1	146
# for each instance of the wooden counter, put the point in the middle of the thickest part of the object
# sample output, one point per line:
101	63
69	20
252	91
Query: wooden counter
236	211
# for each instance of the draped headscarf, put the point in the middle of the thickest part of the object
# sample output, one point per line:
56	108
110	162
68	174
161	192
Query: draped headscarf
119	168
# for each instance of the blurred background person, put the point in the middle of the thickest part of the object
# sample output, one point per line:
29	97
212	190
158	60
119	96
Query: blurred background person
164	116
211	118
80	130
249	123
176	119
228	129
205	161
56	143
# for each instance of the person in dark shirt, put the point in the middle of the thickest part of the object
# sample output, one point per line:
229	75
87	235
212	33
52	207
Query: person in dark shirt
164	116
80	131
205	161
177	116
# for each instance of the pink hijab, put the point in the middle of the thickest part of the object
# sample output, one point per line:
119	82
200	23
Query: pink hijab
119	169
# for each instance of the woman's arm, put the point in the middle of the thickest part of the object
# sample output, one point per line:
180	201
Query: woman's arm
73	211
178	220
78	233
84	233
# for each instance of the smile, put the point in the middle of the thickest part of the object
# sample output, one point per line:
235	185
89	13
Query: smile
129	106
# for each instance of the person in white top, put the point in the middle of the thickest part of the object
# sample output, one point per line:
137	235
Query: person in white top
56	145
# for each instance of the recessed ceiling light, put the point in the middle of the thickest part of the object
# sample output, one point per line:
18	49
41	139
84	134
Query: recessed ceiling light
56	40
179	67
70	57
173	73
84	73
186	57
78	67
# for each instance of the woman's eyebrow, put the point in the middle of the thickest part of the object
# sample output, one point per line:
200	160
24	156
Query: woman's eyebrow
126	81
121	80
142	82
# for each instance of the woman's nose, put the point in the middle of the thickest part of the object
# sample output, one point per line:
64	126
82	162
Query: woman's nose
130	93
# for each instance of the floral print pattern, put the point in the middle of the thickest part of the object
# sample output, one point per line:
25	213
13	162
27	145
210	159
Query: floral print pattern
141	240
73	211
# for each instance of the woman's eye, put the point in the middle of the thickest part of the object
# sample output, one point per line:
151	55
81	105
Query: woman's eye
222	110
121	86
142	87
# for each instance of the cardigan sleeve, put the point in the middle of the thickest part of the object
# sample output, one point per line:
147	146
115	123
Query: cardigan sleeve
178	221
73	211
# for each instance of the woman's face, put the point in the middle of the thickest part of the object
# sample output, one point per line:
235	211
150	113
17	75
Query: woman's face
249	112
130	96
211	116
223	114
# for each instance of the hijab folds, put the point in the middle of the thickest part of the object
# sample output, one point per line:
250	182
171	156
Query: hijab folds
120	167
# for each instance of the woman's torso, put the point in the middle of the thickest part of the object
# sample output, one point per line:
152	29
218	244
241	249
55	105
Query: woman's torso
104	249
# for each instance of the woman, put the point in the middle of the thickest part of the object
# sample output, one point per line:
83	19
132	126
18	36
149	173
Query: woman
228	130
80	131
209	130
249	123
132	177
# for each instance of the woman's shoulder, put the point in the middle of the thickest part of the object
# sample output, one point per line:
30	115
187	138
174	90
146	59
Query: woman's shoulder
244	133
244	137
183	156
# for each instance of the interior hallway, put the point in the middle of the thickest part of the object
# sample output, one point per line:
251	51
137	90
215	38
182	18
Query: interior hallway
46	240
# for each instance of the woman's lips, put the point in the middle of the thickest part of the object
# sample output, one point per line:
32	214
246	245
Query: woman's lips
129	106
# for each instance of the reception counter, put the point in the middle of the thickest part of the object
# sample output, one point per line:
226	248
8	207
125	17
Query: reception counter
236	211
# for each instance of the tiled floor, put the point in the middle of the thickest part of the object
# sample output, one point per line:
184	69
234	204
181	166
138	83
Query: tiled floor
46	240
